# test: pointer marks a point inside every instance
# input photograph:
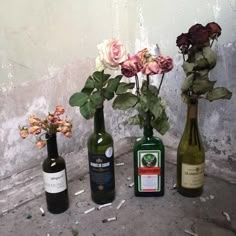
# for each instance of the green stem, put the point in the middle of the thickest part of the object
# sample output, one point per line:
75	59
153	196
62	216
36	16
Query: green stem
160	83
212	43
148	114
137	85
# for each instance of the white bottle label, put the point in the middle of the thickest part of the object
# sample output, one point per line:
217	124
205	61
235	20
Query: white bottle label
54	182
192	176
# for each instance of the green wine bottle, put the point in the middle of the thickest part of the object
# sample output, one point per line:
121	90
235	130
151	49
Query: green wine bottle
190	156
149	156
101	161
55	178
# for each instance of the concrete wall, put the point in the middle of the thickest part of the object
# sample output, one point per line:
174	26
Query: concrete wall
48	48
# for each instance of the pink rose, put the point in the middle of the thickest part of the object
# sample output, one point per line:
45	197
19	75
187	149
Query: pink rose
34	130
111	54
59	110
40	143
151	68
131	66
24	133
165	64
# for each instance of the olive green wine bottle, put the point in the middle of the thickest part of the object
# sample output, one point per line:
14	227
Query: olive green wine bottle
190	156
149	168
101	161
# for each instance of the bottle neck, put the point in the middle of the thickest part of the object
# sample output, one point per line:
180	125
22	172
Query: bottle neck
192	112
52	145
148	129
191	127
99	124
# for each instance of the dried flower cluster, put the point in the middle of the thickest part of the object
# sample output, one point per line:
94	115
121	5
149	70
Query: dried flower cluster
51	124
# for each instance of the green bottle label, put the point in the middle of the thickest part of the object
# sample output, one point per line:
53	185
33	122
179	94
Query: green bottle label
149	170
101	168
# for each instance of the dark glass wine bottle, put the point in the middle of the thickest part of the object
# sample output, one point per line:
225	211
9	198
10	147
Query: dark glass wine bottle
190	156
101	161
149	154
55	178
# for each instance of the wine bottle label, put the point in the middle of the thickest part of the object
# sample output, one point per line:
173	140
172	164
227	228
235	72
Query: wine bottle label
55	182
101	169
192	176
149	170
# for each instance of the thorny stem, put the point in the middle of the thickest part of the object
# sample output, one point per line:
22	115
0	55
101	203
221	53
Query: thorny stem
160	83
137	85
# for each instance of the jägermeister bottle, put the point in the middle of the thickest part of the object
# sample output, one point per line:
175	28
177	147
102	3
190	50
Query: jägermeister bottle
190	156
101	161
149	156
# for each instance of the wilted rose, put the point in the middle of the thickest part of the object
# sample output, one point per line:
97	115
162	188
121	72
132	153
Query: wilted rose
214	30
165	64
68	134
40	143
59	110
144	55
183	42
131	66
34	130
111	54
33	120
24	133
151	68
198	34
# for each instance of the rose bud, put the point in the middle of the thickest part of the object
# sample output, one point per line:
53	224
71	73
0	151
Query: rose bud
68	134
214	30
40	143
34	130
33	120
59	110
50	117
24	133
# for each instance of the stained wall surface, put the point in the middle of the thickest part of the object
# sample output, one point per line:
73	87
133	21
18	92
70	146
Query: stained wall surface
48	49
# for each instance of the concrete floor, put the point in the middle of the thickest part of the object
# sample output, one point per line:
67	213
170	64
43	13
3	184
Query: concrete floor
163	216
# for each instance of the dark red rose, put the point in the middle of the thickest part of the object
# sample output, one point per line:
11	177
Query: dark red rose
183	42
214	30
198	34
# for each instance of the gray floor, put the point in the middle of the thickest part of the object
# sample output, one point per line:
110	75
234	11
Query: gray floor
163	216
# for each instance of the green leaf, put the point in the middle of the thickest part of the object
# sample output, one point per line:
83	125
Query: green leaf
187	83
78	99
113	83
88	110
188	67
219	93
134	120
125	101
98	79
153	89
202	85
89	86
162	124
210	56
143	103
96	98
105	78
108	94
123	87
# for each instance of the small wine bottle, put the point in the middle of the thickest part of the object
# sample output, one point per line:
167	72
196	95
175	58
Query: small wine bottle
101	161
148	165
190	156
55	178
